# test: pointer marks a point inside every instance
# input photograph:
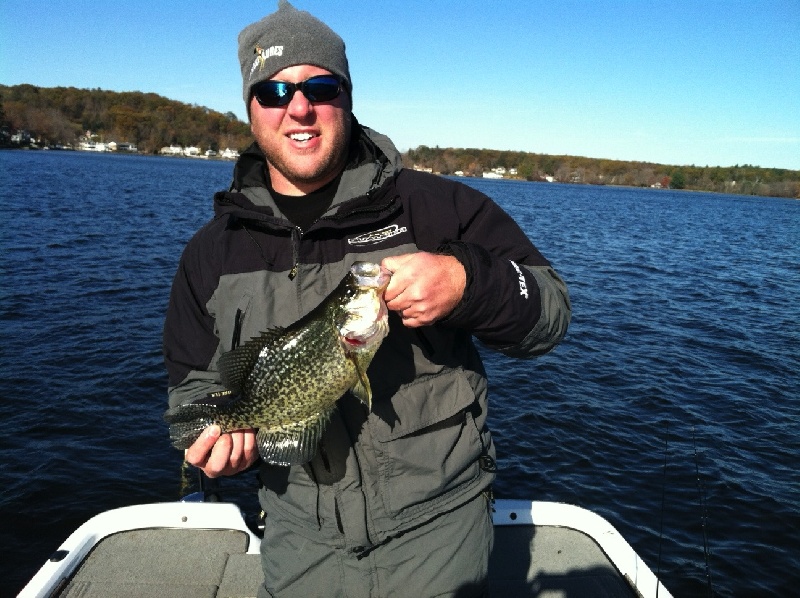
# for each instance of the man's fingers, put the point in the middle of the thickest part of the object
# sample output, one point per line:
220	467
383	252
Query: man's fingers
219	459
199	452
250	448
219	454
397	284
241	449
395	262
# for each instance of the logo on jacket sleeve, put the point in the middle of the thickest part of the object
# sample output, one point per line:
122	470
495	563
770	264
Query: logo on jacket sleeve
378	235
523	286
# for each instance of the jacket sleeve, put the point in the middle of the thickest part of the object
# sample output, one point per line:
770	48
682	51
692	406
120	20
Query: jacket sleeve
518	309
514	302
189	341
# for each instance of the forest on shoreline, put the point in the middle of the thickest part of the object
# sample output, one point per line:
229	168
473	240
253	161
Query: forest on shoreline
65	116
738	179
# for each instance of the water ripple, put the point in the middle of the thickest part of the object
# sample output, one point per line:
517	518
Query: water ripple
682	350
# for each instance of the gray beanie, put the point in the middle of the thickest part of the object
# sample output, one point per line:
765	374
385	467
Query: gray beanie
285	38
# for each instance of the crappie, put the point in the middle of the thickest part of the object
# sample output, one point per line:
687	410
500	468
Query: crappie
286	381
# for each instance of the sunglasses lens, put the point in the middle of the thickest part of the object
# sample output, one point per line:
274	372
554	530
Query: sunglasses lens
279	93
273	93
321	89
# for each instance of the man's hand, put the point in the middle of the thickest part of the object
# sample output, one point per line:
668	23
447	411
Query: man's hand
425	287
223	454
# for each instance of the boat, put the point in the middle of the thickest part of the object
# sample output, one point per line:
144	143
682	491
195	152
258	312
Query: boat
199	548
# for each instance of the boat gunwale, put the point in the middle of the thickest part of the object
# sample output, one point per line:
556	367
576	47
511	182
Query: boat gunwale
165	515
189	514
556	514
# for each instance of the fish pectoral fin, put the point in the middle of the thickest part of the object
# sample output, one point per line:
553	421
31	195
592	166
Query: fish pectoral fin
293	444
361	389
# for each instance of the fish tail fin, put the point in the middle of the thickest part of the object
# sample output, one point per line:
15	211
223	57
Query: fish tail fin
187	422
294	444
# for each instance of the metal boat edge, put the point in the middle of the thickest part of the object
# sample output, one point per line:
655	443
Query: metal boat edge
188	514
555	514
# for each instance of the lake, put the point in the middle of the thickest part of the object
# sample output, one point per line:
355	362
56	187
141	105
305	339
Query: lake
672	408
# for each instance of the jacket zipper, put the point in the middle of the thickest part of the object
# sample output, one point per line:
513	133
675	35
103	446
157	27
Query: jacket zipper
297	236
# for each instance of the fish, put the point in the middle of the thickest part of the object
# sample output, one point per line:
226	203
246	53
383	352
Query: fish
286	381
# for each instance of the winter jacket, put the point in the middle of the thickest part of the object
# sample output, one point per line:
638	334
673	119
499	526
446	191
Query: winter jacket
424	448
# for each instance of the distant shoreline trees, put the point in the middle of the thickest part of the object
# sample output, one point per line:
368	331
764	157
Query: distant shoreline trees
739	179
66	115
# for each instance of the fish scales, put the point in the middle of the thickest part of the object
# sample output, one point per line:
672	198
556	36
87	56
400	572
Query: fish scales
293	380
286	382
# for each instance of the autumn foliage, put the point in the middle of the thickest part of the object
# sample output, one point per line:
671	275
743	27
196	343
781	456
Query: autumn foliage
62	115
65	115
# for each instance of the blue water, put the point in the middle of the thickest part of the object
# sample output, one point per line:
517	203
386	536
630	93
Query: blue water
672	408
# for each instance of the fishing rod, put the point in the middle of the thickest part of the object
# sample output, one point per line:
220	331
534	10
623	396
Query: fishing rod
703	506
663	506
704	511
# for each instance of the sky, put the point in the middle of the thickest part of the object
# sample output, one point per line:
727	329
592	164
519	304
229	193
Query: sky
703	82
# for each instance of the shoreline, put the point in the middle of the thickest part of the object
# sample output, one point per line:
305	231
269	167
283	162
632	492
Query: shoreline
219	158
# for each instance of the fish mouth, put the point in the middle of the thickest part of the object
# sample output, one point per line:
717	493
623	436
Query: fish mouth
378	330
368	326
371	275
368	319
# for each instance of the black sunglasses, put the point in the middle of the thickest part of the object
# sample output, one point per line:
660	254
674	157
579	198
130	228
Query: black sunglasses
322	88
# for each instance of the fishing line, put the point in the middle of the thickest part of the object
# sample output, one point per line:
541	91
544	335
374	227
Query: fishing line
701	490
663	502
185	482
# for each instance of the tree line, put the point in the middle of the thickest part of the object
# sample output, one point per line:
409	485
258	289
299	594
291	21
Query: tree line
64	115
741	179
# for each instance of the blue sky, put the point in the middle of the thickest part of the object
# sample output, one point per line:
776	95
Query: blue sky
705	82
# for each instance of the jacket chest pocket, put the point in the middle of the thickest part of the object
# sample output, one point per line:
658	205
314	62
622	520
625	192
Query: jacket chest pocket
428	444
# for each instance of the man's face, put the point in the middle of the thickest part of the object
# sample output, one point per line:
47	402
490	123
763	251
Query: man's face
305	143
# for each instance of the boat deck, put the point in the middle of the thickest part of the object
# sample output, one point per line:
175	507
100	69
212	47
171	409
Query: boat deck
190	558
214	564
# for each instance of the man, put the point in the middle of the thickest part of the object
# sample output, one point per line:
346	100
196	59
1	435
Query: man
395	502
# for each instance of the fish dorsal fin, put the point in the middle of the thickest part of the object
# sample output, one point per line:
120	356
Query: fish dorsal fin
293	444
234	366
361	389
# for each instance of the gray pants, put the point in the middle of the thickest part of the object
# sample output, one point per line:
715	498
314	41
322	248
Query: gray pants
448	556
